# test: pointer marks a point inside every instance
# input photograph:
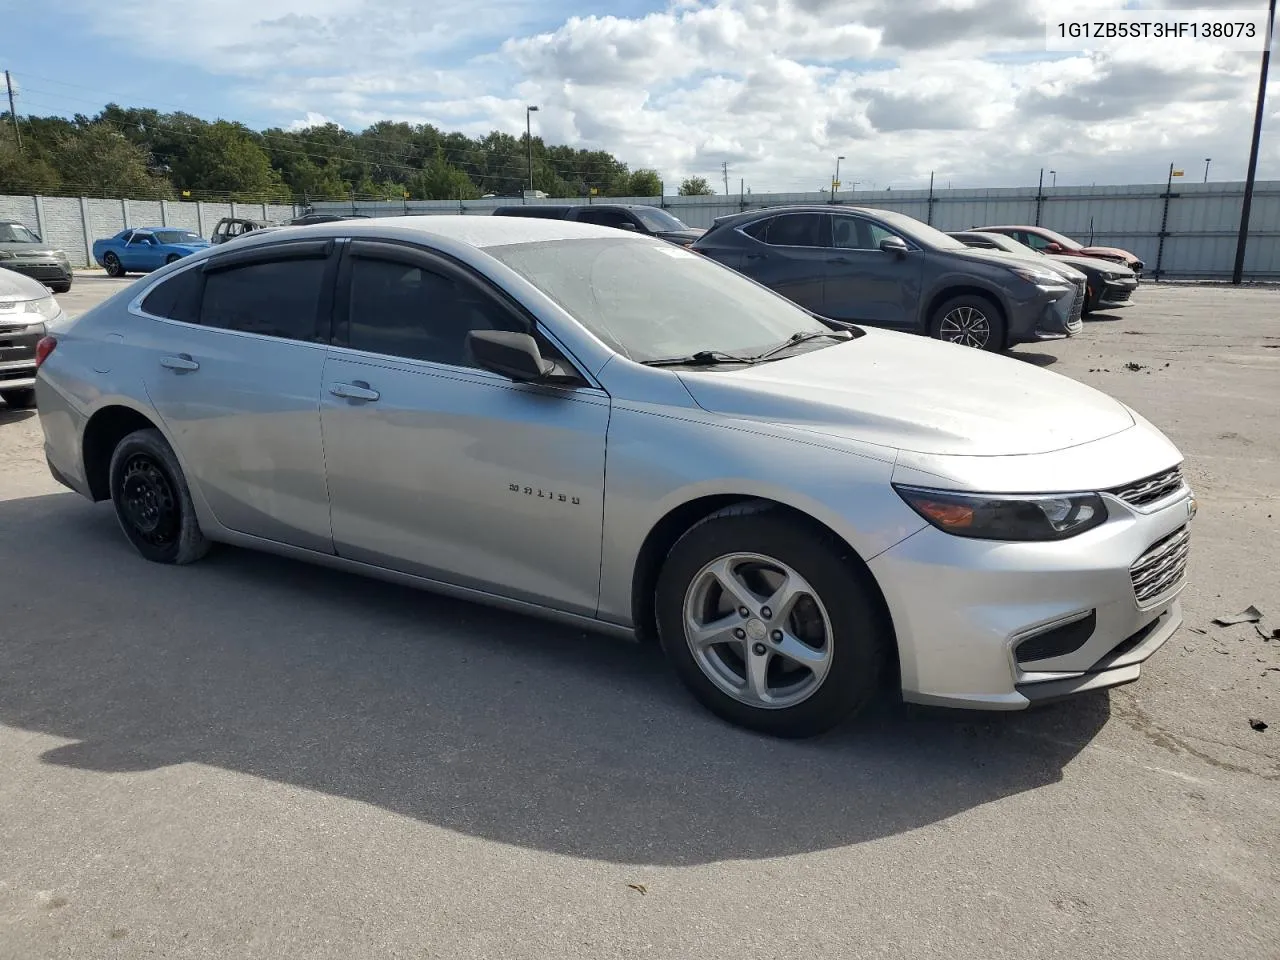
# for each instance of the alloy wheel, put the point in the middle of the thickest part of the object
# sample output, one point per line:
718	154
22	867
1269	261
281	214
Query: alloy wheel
967	326
758	630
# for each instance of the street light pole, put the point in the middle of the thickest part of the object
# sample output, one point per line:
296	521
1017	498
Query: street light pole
1206	168
1054	174
835	181
528	136
1237	274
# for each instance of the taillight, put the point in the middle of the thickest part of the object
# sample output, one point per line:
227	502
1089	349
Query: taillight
44	347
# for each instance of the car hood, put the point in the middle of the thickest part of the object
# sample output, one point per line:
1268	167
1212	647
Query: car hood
689	235
1108	252
1106	266
910	393
26	250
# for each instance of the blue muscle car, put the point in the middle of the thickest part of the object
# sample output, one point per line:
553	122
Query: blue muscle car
143	249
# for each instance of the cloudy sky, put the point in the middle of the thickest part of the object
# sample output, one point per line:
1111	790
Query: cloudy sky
777	88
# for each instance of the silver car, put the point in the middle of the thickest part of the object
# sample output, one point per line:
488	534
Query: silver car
604	428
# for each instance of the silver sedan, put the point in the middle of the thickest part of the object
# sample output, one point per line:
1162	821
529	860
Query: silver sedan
617	432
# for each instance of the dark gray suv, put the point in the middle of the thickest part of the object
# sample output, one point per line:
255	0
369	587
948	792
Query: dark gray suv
885	269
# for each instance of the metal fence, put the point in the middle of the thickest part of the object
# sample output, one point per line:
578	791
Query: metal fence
1187	232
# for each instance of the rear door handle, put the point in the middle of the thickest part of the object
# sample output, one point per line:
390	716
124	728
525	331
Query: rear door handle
757	256
354	391
182	362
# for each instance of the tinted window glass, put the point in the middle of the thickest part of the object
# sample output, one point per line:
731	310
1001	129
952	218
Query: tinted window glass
796	230
274	299
406	311
605	218
177	298
854	233
759	230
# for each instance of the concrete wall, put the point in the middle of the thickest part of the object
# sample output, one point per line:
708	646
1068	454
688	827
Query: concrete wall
1200	241
73	223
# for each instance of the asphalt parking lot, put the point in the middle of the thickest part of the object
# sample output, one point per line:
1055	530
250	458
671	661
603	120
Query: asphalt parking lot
251	757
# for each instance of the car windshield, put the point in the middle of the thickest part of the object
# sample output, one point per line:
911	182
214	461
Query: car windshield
652	300
16	233
177	236
657	219
1065	242
918	230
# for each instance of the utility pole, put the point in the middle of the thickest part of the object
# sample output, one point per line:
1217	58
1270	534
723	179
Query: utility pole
528	136
1238	273
725	165
13	113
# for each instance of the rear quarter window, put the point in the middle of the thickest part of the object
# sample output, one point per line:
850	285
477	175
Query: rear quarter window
176	297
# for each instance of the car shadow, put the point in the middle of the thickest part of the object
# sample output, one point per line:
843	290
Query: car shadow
490	724
1101	316
14	414
1036	359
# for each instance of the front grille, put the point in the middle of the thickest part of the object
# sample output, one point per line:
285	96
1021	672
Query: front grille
17	344
1150	489
1161	568
1117	294
1077	305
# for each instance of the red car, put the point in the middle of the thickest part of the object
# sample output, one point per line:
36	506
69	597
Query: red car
1050	241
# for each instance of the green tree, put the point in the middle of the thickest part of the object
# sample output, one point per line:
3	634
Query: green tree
695	187
96	160
442	181
23	173
644	183
229	160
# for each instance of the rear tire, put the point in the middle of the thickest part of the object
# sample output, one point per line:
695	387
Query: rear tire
817	659
153	504
172	258
64	287
22	399
970	320
113	265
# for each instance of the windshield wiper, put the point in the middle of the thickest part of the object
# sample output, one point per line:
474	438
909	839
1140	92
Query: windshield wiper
798	338
703	358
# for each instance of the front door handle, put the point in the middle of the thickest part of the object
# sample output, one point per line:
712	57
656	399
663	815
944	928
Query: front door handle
757	256
182	363
841	260
354	391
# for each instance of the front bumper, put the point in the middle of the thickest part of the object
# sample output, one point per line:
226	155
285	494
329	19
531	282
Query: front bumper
1053	315
999	626
44	270
1115	293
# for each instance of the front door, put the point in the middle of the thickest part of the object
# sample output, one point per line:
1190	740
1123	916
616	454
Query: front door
869	285
141	253
790	256
443	470
236	379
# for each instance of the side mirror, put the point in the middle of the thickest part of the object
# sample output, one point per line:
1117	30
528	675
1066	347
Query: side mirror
514	355
1053	248
627	225
894	245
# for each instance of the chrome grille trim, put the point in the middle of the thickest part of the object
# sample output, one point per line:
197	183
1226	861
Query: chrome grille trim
1162	567
1150	490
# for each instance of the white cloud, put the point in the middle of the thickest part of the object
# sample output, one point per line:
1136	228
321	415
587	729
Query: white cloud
777	88
312	119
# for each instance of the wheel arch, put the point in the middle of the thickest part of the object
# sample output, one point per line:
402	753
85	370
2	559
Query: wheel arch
679	520
966	288
103	431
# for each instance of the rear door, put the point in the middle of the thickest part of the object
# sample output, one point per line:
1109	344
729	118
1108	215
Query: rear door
790	255
869	285
234	370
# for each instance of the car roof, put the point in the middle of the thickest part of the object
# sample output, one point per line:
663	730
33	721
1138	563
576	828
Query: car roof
473	230
1010	226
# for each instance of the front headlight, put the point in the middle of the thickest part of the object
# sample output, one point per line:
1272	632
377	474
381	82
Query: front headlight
45	307
1037	276
1020	517
5	255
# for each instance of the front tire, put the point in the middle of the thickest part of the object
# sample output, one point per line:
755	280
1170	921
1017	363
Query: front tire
970	320
171	258
64	287
113	265
153	504
810	650
22	399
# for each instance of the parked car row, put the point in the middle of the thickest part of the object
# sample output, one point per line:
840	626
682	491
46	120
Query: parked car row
614	431
981	288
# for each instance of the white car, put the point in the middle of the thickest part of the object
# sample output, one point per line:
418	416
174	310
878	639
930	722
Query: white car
608	429
27	312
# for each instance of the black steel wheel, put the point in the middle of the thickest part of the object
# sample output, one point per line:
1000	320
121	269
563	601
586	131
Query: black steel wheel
153	504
